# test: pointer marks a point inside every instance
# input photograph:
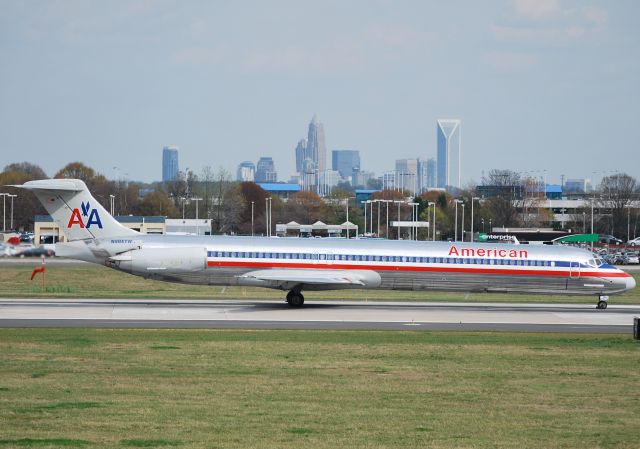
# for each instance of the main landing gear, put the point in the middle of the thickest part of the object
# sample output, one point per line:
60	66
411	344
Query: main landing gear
602	302
295	299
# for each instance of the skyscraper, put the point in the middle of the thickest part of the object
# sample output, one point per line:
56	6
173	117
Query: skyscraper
169	164
266	170
407	174
345	162
431	173
246	171
301	154
449	157
316	147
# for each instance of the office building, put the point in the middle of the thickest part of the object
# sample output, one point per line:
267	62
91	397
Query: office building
169	164
266	170
578	186
301	154
407	175
449	155
345	162
361	178
430	181
316	146
246	172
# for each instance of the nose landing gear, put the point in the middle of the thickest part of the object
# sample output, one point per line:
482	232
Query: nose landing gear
602	302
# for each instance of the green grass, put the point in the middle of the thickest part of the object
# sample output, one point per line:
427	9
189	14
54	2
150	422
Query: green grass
93	281
307	389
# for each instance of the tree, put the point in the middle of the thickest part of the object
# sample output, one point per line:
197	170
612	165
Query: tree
303	207
31	170
220	187
76	170
617	192
25	205
231	208
157	203
508	189
252	193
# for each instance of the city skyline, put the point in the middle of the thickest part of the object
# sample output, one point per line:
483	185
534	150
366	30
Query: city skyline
537	84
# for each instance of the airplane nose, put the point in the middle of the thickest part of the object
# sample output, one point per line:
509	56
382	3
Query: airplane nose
630	283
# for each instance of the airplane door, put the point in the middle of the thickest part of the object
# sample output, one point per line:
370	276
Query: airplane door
574	269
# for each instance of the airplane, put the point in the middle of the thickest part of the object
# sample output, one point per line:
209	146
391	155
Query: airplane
296	265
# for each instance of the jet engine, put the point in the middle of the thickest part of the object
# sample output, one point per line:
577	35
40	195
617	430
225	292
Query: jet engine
161	261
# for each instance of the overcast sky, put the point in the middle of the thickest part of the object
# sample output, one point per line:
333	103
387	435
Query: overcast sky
538	84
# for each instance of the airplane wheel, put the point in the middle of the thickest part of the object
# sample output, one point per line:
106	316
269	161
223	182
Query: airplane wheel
601	305
295	299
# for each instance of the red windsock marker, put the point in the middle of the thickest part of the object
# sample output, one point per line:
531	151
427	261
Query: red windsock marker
37	270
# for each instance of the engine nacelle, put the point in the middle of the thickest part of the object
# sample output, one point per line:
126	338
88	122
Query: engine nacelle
161	261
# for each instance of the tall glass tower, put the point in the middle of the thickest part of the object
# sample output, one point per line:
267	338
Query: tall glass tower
449	157
316	147
169	164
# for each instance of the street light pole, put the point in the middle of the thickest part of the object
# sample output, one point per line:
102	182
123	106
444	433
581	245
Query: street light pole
592	223
472	230
398	236
15	196
628	206
252	204
462	224
266	216
387	202
111	200
415	219
4	204
378	233
433	232
347	218
455	221
365	217
270	210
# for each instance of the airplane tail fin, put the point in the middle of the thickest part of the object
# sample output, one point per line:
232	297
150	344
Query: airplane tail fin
72	207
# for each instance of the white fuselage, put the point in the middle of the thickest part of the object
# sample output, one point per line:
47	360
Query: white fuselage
323	264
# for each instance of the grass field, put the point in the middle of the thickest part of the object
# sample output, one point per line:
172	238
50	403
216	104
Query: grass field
295	389
93	281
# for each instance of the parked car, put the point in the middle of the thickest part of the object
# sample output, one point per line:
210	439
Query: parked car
634	242
632	258
609	239
38	251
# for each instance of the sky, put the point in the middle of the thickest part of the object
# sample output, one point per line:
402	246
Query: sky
543	87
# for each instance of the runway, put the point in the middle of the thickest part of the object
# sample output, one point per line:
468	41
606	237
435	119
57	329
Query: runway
343	315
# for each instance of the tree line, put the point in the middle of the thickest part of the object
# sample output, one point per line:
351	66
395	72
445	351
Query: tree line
240	207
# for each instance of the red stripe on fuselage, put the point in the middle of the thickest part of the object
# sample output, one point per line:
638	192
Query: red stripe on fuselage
479	270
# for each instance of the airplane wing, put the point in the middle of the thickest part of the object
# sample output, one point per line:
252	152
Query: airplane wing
288	278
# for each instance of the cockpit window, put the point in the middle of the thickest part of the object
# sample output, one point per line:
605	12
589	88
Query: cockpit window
595	262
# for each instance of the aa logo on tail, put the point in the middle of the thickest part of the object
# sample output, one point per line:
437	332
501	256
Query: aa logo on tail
91	216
